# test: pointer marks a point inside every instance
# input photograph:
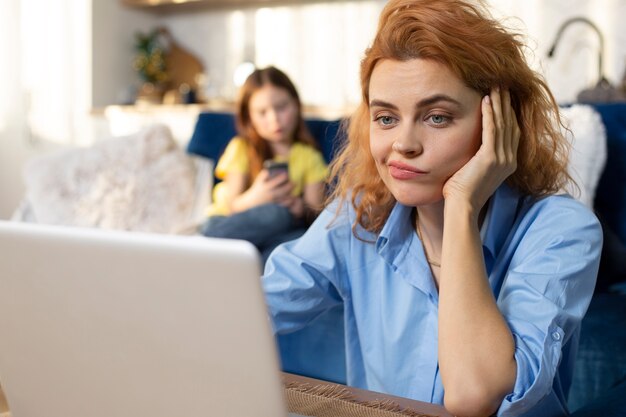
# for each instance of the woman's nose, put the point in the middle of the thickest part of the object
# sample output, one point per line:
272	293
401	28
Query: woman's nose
407	145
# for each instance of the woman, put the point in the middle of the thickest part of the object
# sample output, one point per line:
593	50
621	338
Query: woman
463	274
251	203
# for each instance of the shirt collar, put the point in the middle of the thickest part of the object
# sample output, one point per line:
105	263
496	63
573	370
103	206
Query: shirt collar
395	232
501	213
500	217
399	245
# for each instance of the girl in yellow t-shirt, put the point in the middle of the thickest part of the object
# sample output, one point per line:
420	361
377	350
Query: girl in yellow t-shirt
253	203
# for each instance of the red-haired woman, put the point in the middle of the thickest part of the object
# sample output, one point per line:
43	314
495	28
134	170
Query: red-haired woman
463	272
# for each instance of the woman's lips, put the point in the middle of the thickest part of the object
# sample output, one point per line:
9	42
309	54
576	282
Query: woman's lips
402	171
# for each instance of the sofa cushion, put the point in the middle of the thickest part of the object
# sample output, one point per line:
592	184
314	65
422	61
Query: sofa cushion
211	134
214	130
610	200
142	182
610	404
601	361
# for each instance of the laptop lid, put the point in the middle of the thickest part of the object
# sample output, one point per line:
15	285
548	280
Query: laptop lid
100	323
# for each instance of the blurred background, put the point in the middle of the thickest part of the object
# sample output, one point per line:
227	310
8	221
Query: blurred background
76	71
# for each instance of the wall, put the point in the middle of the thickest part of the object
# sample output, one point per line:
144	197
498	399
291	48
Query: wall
320	44
113	30
575	63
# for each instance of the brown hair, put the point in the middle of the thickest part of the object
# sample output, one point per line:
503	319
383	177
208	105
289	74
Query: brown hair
258	149
483	54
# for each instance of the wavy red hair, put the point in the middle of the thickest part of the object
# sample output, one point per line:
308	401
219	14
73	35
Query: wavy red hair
483	54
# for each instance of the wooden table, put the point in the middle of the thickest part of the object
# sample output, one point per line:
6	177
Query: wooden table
314	397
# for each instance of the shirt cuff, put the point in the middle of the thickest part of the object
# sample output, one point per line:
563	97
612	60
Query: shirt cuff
535	369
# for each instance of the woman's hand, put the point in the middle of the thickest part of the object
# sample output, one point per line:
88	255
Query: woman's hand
496	158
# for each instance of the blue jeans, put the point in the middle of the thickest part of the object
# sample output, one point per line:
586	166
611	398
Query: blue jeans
265	226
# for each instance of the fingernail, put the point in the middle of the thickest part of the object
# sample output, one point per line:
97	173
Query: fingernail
487	99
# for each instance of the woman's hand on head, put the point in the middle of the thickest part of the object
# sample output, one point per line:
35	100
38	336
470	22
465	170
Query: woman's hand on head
496	158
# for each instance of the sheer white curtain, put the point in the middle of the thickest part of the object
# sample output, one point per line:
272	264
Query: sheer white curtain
44	77
45	47
9	63
12	113
319	45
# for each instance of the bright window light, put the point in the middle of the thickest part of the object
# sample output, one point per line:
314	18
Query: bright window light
242	72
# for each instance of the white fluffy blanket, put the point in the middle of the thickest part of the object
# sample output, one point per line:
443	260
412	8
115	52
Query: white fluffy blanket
142	182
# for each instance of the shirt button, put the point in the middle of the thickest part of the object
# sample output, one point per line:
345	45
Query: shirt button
556	336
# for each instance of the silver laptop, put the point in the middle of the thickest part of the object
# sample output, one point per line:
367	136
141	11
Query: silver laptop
100	324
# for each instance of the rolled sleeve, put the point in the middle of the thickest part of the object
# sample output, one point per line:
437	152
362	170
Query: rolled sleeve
536	367
543	298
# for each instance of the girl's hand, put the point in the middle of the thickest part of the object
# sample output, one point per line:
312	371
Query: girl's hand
496	158
266	189
295	206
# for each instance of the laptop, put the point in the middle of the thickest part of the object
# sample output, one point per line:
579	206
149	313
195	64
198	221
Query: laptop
102	323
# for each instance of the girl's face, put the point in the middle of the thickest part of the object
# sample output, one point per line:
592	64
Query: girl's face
425	124
273	113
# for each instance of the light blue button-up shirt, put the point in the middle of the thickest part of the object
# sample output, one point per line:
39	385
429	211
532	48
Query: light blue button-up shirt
541	257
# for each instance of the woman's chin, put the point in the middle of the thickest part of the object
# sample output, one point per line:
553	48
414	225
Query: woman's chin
414	193
415	199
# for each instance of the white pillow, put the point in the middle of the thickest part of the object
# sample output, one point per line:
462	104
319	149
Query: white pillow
141	182
588	153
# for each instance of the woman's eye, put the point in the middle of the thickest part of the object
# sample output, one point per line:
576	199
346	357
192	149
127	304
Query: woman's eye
385	120
439	119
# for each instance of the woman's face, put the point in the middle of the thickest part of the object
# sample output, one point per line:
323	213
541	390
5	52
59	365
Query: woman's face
273	113
425	124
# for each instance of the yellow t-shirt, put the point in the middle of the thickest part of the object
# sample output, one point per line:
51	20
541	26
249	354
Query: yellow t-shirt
306	166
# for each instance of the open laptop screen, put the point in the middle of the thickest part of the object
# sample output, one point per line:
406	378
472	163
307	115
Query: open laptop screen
99	323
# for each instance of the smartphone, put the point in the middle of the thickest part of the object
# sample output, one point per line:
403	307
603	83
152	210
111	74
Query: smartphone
274	168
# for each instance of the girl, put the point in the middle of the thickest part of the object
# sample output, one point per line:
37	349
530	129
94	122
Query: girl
463	274
250	203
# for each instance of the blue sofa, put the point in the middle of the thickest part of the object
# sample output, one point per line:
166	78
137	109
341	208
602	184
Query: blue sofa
599	385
